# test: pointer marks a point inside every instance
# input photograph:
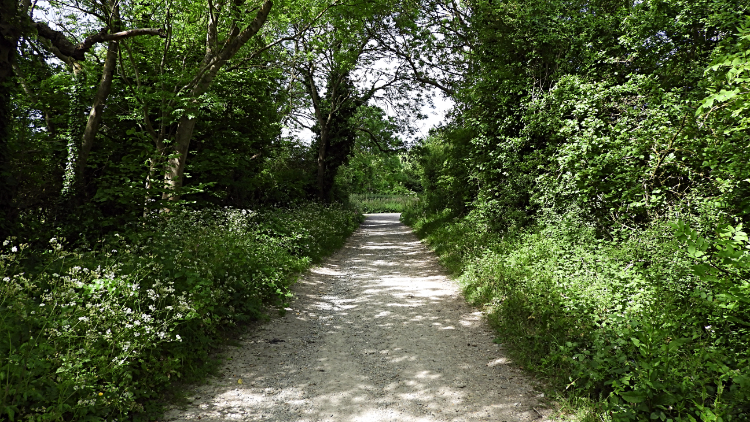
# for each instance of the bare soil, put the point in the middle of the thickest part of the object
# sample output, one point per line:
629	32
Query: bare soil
377	332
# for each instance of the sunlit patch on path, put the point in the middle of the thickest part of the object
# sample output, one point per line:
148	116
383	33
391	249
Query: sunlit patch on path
377	333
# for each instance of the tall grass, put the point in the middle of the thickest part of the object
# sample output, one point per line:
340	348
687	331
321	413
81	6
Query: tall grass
375	203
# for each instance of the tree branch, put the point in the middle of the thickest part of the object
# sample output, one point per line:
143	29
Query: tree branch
293	37
77	52
375	140
231	46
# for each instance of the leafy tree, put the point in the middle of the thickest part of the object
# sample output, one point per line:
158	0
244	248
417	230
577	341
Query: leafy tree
79	138
378	162
341	67
725	112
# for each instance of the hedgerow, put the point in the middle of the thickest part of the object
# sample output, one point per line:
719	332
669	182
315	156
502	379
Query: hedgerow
98	333
652	326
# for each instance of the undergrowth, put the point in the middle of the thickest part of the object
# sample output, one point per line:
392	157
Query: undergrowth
649	326
97	333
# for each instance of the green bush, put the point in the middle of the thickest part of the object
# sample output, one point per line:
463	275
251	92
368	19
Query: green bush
98	334
653	326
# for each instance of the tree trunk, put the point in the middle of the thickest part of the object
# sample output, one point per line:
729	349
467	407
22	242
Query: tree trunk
97	108
322	176
9	35
176	163
215	58
153	163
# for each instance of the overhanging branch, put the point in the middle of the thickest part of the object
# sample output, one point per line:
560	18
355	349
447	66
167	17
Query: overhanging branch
78	52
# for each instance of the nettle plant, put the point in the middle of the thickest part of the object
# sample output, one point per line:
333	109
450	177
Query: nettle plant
692	361
682	356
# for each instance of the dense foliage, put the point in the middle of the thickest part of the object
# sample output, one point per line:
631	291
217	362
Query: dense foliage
591	190
98	333
155	107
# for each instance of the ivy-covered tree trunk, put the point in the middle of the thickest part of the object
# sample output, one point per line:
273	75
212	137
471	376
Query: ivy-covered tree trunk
73	135
100	98
80	136
335	135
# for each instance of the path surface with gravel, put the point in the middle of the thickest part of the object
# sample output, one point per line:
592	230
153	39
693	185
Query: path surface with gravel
377	332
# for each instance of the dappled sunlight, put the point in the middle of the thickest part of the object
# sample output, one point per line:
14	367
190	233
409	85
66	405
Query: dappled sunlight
325	271
390	344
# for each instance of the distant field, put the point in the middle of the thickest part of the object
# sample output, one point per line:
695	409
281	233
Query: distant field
373	203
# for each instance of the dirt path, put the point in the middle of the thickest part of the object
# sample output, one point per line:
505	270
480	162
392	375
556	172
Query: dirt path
377	333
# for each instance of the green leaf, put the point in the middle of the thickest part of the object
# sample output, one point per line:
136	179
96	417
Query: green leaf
633	396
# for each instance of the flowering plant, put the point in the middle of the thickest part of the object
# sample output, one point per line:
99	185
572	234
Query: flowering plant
97	333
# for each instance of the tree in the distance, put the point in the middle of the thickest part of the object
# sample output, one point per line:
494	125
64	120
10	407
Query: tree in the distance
343	67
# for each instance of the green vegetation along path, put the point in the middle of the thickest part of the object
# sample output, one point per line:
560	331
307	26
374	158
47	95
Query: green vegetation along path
377	333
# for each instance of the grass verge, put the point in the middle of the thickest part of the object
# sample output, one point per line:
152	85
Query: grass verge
375	203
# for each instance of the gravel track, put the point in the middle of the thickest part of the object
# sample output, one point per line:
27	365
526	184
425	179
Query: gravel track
377	332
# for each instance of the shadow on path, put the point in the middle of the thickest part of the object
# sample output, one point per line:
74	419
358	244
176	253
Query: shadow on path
377	333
